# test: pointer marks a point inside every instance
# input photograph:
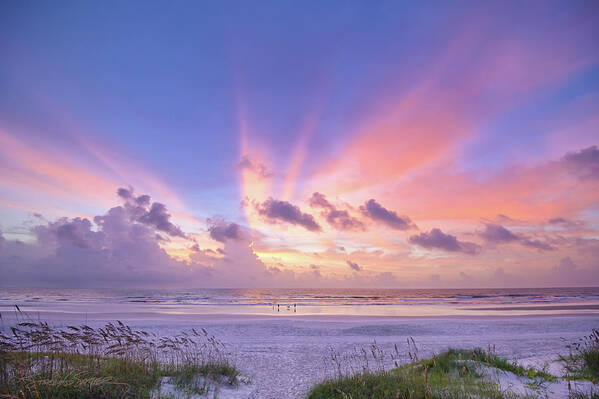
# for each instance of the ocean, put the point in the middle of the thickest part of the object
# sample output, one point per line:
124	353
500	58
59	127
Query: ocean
275	301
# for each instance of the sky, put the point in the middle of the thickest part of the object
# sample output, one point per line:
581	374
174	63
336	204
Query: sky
299	144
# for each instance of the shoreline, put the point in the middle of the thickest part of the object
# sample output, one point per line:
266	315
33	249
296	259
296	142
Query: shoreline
191	317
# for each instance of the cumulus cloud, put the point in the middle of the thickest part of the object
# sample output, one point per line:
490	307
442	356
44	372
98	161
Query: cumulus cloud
565	223
337	218
436	239
584	163
497	234
222	231
375	211
155	215
354	265
121	248
113	250
69	232
256	167
316	271
283	211
537	244
320	200
568	273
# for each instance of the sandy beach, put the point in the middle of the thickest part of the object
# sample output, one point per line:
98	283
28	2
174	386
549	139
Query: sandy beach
284	356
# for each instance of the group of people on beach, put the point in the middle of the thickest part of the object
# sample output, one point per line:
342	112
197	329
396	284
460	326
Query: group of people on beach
288	307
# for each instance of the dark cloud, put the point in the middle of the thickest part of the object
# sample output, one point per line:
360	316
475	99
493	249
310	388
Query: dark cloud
320	200
584	163
125	193
565	223
354	265
375	211
337	218
2	241
158	217
557	221
155	215
275	210
341	220
436	239
497	234
537	244
143	200
256	167
222	231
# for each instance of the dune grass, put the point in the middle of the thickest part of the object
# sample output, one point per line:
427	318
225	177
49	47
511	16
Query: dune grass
114	361
582	362
490	358
451	374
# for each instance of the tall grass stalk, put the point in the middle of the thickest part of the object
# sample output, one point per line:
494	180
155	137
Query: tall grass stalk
114	361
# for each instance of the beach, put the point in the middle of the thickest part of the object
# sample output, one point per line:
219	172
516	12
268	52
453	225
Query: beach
283	353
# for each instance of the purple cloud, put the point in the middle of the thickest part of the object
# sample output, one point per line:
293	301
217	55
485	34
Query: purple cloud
2	241
497	234
559	220
222	231
436	239
125	193
284	211
537	244
567	273
315	271
563	222
584	163
319	200
339	219
257	168
69	232
114	249
156	215
375	211
354	265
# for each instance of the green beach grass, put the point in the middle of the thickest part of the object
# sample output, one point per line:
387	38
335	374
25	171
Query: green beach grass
451	374
39	361
582	361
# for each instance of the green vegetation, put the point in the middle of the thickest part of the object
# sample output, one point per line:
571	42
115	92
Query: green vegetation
115	361
583	360
490	358
451	374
